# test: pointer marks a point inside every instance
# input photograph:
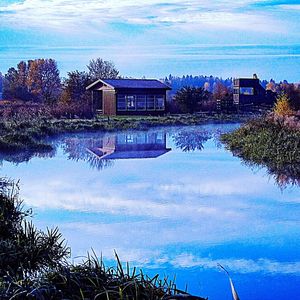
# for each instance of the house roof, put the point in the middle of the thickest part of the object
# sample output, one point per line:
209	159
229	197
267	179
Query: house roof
131	84
128	154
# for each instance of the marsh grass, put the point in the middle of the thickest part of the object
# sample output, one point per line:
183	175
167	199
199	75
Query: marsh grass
269	142
27	133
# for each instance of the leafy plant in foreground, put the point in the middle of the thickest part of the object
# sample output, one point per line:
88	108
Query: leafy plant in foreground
24	248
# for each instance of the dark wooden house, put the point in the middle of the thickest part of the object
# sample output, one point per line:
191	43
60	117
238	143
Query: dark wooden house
248	91
129	96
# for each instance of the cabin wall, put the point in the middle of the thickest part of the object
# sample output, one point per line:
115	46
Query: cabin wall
145	92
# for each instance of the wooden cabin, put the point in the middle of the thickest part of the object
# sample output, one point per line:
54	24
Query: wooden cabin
129	96
248	91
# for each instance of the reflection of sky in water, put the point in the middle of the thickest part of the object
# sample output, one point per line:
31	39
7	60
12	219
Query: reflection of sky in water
182	212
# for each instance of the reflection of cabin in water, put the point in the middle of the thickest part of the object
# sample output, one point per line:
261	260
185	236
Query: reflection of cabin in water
131	145
129	96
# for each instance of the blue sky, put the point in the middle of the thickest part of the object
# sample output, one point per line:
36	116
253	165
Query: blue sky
141	33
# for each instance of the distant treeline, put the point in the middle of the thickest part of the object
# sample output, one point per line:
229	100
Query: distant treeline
38	81
207	82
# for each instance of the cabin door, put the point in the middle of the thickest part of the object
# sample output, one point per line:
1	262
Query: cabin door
98	101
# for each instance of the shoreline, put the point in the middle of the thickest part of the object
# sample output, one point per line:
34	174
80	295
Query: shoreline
28	135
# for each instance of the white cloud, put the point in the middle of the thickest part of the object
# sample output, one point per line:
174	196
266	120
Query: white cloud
78	16
293	7
244	266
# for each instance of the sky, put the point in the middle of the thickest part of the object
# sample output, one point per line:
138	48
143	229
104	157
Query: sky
157	37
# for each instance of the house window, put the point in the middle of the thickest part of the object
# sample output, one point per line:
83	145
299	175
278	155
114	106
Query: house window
150	102
159	138
141	102
236	91
159	102
129	139
247	91
121	102
141	138
130	102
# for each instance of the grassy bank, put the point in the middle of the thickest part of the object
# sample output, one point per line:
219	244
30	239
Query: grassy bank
27	134
273	142
34	264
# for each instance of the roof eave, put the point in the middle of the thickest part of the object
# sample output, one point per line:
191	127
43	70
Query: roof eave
98	81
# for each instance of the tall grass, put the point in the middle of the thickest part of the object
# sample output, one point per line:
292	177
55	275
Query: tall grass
271	142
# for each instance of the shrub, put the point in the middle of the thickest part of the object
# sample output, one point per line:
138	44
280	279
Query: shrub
282	106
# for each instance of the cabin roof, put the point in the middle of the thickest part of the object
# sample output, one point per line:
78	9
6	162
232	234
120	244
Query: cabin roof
131	84
128	154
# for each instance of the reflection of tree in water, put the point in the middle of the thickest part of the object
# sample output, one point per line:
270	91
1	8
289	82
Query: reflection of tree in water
25	156
191	140
284	175
77	149
188	140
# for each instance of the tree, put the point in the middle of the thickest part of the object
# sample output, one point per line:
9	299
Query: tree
99	68
220	91
282	106
189	98
206	86
10	84
271	86
293	93
43	80
75	86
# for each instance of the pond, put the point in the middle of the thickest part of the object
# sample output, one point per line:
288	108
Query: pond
172	201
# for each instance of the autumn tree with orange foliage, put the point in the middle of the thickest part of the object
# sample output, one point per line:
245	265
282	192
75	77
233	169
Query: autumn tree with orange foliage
43	80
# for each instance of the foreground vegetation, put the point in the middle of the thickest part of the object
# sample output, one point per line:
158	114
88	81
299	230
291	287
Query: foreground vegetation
272	141
33	264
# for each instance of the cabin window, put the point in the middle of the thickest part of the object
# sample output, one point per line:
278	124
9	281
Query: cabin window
129	139
130	102
159	102
150	102
159	138
141	138
247	91
141	102
121	102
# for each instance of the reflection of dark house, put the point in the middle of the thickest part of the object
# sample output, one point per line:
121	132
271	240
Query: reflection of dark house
129	96
248	91
131	145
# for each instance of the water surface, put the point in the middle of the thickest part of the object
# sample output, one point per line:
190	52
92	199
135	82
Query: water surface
172	201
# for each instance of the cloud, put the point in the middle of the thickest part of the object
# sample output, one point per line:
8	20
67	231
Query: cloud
293	7
78	16
243	266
